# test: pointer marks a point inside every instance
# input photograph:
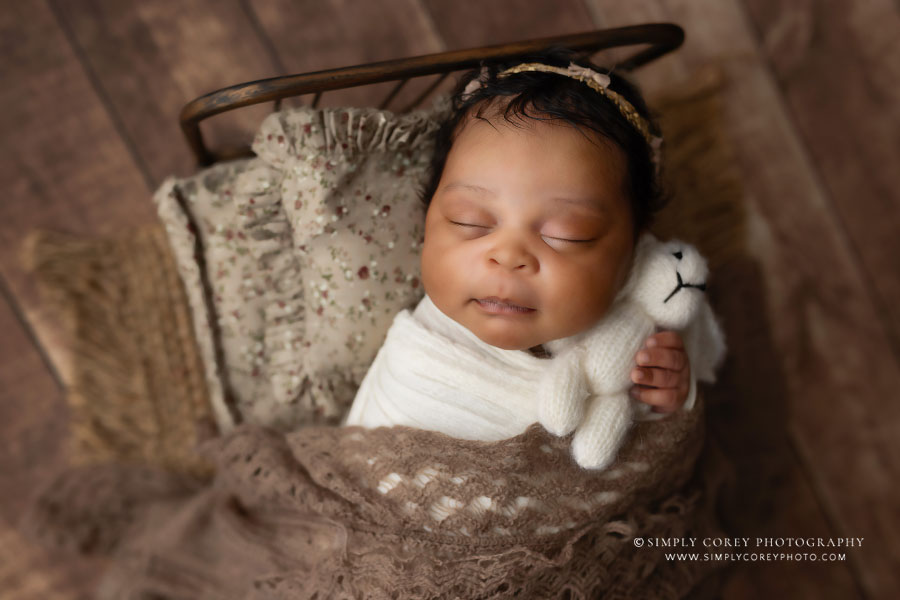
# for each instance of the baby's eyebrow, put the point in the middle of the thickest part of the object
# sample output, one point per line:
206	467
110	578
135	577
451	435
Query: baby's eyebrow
585	202
577	201
469	186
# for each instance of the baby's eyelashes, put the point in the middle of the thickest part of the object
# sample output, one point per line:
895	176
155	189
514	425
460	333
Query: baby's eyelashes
564	243
557	243
570	240
470	225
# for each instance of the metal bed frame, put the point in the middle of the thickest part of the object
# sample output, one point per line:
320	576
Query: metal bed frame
662	37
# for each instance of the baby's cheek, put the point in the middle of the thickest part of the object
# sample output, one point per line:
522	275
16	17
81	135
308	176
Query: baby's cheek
427	266
437	267
584	296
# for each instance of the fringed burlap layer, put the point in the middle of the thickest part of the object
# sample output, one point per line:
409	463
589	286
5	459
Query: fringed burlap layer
137	390
397	513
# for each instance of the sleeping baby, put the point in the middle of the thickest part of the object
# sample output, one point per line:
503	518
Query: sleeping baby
544	182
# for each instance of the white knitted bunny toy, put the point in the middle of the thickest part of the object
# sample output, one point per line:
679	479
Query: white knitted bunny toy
586	387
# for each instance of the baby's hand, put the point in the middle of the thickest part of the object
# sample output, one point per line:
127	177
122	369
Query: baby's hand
663	374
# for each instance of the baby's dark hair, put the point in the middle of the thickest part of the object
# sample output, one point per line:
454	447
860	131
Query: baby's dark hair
548	96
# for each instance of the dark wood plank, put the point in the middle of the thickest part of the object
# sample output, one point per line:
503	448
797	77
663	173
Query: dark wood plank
148	59
68	162
33	419
838	66
461	25
472	24
28	572
749	417
839	372
656	77
325	35
63	164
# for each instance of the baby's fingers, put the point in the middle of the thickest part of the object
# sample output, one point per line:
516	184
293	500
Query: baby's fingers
662	358
665	339
658	378
662	400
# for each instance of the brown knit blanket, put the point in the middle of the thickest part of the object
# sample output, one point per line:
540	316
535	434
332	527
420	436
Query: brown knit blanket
393	513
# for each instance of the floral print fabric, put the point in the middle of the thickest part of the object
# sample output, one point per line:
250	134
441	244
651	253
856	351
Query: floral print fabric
307	252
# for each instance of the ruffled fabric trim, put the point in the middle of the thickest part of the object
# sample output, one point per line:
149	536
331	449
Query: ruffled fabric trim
182	239
257	196
347	132
290	145
307	139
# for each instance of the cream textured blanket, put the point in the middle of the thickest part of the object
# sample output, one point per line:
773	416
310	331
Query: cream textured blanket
434	374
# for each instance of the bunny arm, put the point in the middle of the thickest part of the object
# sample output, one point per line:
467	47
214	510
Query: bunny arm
598	439
610	349
563	391
598	361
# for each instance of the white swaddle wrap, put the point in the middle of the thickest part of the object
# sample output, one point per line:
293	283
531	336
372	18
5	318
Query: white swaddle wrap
432	373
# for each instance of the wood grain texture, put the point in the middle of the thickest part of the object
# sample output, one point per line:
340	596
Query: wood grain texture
311	36
749	417
473	24
661	74
33	419
826	328
63	164
148	59
838	66
88	114
28	572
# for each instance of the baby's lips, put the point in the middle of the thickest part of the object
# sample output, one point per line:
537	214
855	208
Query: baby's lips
505	301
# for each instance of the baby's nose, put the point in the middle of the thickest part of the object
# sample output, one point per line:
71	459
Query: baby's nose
514	255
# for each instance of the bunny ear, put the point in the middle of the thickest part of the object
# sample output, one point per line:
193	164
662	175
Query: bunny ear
704	341
643	250
645	242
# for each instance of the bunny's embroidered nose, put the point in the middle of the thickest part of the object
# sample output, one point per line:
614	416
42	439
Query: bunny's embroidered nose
682	284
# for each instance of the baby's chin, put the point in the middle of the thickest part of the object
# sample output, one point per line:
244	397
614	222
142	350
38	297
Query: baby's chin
505	337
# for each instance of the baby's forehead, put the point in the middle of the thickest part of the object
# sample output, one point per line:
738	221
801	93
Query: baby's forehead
573	162
494	117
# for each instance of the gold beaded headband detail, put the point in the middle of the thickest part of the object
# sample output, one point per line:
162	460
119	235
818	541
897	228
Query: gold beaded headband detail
598	82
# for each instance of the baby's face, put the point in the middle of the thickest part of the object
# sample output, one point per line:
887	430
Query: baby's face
529	236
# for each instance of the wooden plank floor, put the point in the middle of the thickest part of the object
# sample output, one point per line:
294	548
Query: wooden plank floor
88	129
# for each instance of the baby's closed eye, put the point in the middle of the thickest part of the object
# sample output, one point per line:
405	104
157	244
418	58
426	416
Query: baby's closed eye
564	242
559	241
569	235
463	224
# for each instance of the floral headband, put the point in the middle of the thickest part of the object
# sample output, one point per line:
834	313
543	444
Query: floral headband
596	81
